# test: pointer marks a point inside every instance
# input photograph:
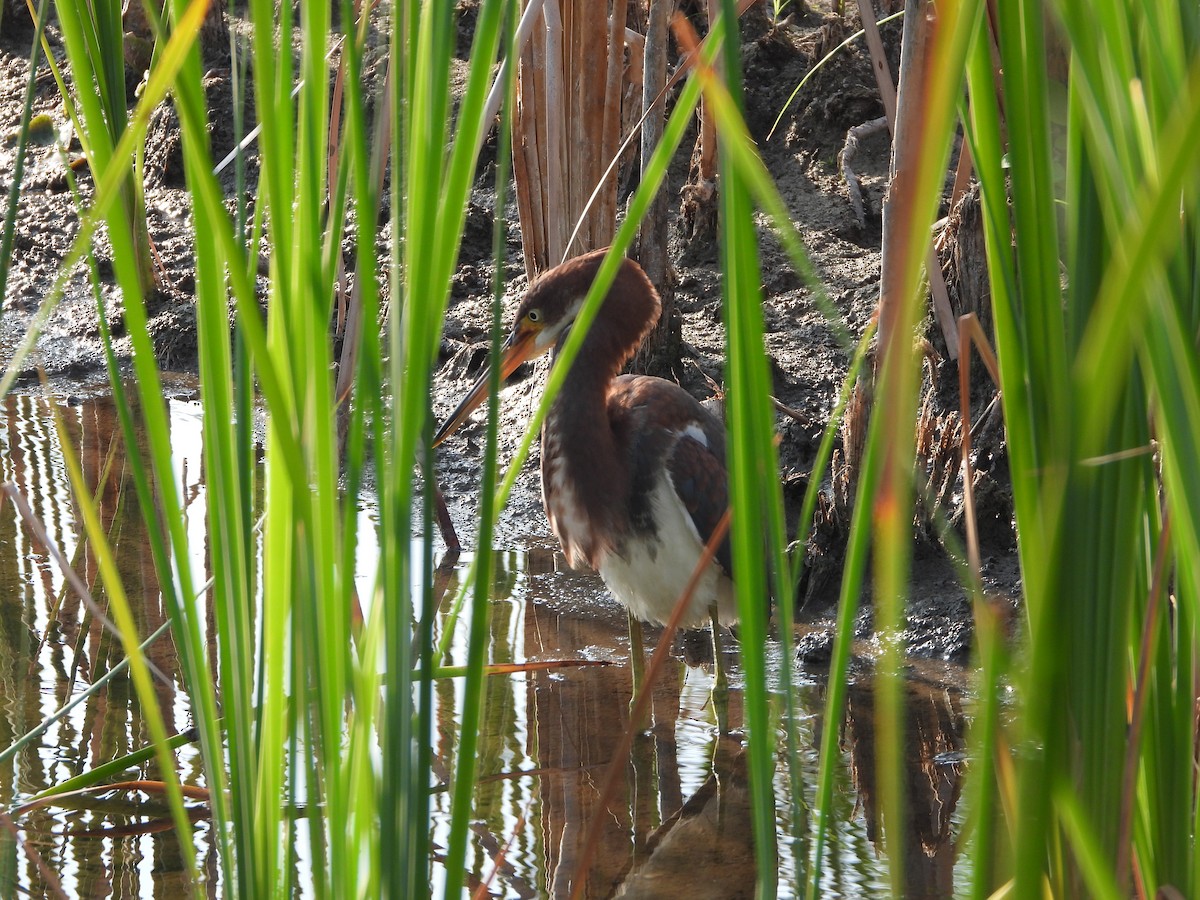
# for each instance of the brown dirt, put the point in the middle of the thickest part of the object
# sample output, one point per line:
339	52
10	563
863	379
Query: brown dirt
808	363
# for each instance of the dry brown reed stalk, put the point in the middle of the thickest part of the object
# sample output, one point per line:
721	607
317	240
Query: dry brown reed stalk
888	94
614	87
708	127
1137	715
550	118
567	135
904	114
969	330
661	347
567	128
700	203
652	237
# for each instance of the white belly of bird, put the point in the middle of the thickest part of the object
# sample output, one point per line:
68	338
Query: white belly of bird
651	576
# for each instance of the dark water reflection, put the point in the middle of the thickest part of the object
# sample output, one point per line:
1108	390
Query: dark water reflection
933	735
679	827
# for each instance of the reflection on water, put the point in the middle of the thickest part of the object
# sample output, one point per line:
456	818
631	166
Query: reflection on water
932	785
53	646
679	827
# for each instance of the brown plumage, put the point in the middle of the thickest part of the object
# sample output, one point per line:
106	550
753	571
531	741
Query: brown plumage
633	467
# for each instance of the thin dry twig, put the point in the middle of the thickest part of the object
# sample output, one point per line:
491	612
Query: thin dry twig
879	63
148	787
518	668
962	174
498	862
38	531
442	514
34	524
847	157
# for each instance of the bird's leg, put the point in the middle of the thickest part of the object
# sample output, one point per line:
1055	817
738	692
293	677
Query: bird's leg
643	785
720	688
637	662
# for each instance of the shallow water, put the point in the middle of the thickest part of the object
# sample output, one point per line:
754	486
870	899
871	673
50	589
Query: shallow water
680	826
52	646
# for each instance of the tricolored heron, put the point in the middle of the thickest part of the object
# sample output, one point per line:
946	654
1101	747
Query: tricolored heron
633	467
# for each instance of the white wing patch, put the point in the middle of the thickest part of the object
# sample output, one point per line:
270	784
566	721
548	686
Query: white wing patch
696	433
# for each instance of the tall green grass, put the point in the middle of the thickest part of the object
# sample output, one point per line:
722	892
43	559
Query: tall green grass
95	42
1094	294
304	713
1092	241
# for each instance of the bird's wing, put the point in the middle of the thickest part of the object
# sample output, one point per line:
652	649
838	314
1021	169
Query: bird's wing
668	431
697	469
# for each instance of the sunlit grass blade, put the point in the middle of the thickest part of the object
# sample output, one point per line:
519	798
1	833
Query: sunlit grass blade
94	37
754	489
230	491
886	482
153	476
430	189
495	16
1029	415
109	181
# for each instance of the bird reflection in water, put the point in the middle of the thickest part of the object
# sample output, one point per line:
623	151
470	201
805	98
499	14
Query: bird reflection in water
705	851
678	825
683	808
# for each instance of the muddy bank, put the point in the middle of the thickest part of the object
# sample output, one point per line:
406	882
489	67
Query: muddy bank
808	363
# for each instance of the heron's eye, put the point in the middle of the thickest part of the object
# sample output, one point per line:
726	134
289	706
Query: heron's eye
534	315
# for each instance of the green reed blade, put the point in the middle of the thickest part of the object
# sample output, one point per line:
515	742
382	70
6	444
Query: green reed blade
1076	408
754	488
114	767
494	19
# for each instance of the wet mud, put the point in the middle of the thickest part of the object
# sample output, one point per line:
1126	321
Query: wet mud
808	363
